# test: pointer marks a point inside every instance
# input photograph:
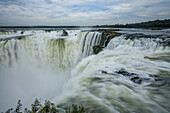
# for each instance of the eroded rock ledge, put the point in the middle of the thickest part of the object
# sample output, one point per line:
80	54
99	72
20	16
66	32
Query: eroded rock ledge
107	35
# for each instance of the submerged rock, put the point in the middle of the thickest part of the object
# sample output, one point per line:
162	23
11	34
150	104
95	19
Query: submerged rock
133	76
136	78
125	73
64	33
22	32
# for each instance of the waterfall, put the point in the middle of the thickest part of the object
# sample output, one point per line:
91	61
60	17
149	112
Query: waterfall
38	65
149	44
48	48
126	75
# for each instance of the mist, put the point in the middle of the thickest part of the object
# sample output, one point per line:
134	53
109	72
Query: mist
27	83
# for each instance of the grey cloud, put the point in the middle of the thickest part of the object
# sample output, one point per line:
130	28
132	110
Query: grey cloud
87	12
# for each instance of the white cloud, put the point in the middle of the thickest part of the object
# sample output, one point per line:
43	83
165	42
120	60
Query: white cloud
122	8
81	12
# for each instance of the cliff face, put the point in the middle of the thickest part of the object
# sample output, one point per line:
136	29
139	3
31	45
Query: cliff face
107	35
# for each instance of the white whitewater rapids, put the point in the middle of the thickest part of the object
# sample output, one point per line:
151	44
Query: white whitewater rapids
128	76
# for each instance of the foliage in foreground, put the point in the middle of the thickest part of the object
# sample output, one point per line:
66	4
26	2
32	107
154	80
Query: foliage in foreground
48	107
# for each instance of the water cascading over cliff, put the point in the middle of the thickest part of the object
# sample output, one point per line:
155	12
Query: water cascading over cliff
131	74
48	48
36	64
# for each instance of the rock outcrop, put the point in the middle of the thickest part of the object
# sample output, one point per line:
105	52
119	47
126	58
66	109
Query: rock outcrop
64	33
107	35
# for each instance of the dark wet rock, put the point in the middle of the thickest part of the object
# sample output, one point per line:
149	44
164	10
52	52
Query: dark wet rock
47	31
133	76
136	80
22	32
158	79
97	49
125	73
153	80
64	33
107	36
104	72
96	79
166	42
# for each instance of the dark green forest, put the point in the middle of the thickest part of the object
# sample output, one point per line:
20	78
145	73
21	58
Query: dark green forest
149	24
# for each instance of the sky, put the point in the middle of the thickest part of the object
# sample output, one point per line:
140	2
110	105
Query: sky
81	12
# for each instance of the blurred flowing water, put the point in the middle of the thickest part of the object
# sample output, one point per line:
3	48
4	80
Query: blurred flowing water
131	74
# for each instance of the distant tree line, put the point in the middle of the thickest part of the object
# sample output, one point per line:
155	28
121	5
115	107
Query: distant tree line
149	24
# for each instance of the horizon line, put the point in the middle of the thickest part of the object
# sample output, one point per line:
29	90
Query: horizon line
78	25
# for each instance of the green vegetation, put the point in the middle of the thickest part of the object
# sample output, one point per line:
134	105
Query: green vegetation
97	49
76	109
48	107
107	35
5	43
155	25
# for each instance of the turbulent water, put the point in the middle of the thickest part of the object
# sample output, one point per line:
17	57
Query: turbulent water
131	74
